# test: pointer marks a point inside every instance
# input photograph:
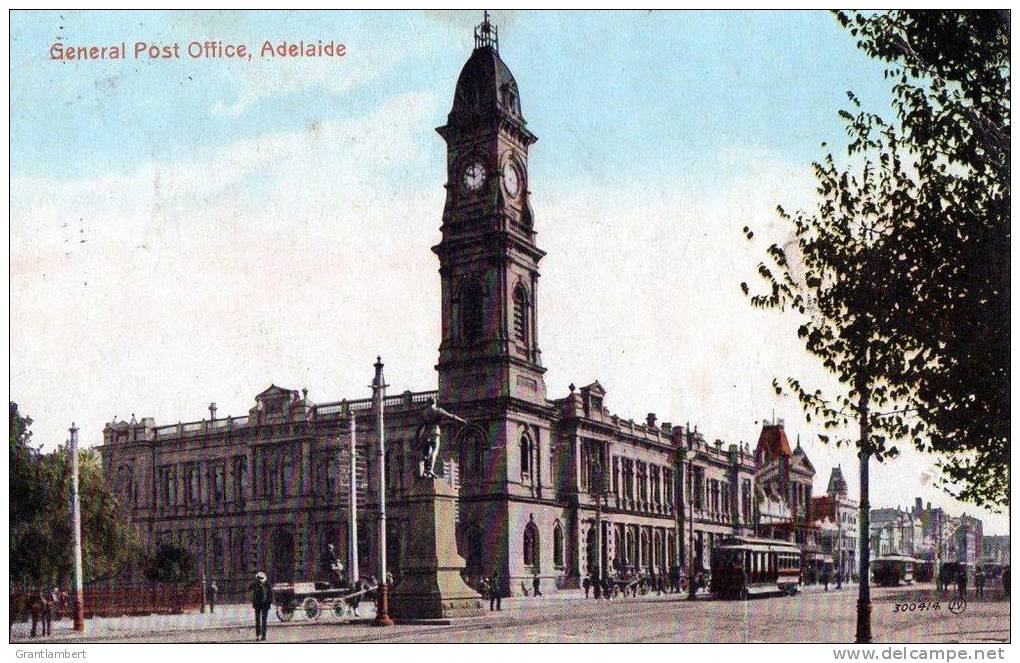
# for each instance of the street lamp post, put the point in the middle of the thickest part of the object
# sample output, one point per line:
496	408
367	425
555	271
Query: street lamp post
352	519
839	542
378	397
688	456
864	587
596	492
79	607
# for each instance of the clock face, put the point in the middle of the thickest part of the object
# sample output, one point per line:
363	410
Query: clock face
512	180
474	176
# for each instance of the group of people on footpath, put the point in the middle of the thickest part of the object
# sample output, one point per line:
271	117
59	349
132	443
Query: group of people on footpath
43	606
948	575
627	583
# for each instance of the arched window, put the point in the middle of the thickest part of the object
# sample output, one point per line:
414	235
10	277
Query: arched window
558	545
472	300
525	455
521	315
531	546
644	549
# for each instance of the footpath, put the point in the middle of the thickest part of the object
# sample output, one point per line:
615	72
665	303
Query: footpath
239	615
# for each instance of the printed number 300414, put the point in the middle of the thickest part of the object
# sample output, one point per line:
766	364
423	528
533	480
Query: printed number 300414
918	606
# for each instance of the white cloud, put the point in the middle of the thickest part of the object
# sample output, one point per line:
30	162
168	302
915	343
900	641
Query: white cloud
279	76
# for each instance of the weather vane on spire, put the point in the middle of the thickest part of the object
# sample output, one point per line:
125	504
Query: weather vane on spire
486	34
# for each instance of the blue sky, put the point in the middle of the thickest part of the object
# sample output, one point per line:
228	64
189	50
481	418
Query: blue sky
190	231
648	85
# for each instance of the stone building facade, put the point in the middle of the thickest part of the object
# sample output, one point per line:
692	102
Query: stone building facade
719	498
835	514
995	548
784	480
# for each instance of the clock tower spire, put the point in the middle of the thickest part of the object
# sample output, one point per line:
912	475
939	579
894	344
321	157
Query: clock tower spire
488	256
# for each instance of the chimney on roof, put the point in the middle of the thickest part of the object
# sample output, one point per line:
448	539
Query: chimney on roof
212	411
650	420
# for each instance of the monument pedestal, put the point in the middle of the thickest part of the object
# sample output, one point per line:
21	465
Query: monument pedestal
431	586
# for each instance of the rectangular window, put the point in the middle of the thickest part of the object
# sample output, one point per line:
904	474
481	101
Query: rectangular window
240	478
699	487
745	500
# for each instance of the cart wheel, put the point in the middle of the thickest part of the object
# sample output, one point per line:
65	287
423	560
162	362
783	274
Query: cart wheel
311	608
285	613
341	608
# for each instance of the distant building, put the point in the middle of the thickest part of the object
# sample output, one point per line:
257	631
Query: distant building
946	538
996	549
783	484
835	516
969	538
894	531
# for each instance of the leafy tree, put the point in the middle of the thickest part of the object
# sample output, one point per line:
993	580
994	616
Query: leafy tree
951	87
835	277
40	532
171	564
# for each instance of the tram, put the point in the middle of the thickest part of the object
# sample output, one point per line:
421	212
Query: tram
744	565
891	570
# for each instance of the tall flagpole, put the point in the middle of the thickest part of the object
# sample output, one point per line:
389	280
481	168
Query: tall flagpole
352	525
79	607
378	397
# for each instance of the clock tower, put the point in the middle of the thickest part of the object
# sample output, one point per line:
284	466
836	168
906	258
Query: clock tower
488	256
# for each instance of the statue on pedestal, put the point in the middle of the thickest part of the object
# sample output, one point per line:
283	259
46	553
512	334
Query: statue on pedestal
427	437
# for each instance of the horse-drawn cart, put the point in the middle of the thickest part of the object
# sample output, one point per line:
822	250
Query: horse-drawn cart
314	598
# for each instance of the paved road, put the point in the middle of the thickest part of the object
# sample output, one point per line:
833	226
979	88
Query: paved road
813	616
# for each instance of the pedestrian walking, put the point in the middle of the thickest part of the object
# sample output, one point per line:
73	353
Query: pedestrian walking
261	601
825	578
839	578
49	606
213	591
586	583
355	601
607	587
535	590
945	577
1005	581
979	582
524	588
961	581
495	600
36	606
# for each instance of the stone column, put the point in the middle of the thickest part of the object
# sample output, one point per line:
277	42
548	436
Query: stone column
252	473
306	467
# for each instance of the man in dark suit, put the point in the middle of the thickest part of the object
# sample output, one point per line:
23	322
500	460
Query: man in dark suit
495	595
261	601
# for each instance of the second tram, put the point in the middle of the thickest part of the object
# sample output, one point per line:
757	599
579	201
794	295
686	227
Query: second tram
891	570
